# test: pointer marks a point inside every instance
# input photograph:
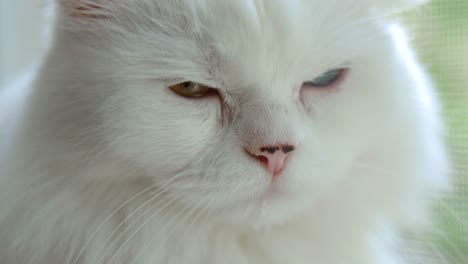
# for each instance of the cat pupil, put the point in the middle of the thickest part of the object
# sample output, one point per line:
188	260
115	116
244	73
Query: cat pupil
187	85
191	87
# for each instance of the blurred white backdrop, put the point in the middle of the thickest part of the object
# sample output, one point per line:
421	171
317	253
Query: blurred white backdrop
23	36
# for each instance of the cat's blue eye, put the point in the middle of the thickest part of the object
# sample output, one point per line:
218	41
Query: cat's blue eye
326	79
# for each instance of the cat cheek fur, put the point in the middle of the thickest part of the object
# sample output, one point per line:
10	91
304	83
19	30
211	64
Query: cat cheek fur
101	125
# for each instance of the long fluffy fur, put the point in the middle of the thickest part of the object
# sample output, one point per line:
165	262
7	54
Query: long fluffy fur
106	165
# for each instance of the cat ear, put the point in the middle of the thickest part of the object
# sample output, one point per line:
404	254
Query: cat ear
394	6
87	9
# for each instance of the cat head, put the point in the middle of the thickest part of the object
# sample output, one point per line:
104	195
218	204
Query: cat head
248	109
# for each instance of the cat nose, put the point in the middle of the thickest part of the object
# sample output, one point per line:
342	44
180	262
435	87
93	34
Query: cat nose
273	157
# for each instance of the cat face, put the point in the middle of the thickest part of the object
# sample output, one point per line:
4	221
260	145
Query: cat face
250	110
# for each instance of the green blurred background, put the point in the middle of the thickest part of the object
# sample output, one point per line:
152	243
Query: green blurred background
440	36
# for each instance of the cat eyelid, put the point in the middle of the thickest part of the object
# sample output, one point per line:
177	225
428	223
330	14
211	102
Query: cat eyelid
174	81
327	79
345	64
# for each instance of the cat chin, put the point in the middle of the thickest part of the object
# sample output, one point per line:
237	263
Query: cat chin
272	208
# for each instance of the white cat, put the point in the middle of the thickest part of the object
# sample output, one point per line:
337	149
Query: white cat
219	131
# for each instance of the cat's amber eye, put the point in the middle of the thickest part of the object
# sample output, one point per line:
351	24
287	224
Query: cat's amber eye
327	79
191	89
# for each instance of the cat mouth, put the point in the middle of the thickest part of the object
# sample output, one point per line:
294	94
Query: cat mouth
265	197
274	193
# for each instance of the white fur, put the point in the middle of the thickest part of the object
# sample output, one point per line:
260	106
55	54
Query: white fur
107	165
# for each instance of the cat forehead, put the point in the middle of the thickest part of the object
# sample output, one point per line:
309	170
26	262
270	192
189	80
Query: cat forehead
263	39
248	40
259	22
272	38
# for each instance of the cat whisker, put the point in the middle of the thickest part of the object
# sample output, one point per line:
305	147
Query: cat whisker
185	218
207	186
134	212
206	199
174	188
145	222
185	233
172	199
108	218
202	200
176	225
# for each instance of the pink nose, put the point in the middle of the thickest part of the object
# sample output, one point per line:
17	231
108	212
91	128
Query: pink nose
273	157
